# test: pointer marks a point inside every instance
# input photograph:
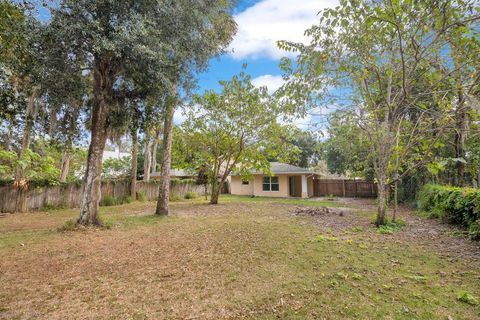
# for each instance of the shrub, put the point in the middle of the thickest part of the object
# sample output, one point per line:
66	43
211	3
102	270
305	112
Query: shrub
454	205
141	196
174	197
124	199
191	195
108	201
474	230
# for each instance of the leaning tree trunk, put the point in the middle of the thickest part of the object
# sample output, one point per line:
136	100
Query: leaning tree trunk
164	188
21	184
148	158
133	170
67	154
92	183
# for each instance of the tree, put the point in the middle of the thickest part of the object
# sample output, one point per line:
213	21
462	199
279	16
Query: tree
346	150
226	137
308	145
128	44
387	57
210	32
134	125
21	69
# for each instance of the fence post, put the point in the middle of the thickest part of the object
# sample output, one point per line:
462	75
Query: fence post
343	187
356	190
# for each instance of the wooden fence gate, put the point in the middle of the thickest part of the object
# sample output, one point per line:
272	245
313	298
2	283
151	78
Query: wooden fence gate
344	188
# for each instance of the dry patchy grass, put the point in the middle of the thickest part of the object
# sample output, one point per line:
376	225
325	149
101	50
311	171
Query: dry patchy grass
245	258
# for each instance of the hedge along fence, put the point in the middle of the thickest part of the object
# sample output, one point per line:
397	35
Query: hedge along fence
454	205
69	195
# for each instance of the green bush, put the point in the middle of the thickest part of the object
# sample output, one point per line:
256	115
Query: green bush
454	205
191	195
174	197
124	199
141	196
108	201
474	230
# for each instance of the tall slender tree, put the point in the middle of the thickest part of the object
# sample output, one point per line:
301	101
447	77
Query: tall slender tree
213	32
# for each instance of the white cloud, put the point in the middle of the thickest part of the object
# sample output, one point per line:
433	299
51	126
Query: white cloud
179	116
269	81
263	24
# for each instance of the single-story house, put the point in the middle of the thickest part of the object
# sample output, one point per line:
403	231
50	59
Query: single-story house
285	181
175	174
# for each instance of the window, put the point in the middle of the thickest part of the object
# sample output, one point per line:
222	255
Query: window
270	184
245	182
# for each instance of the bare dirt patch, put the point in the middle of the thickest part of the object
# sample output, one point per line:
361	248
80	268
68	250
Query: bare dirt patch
445	240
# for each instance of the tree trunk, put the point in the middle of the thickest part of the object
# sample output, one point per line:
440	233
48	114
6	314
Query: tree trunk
67	154
65	164
148	158
460	137
155	150
381	210
92	180
133	170
461	118
21	184
395	202
216	187
164	188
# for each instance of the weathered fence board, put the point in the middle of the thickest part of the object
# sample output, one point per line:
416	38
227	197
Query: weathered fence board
344	188
69	195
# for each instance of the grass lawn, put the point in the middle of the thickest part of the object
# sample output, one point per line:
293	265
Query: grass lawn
244	258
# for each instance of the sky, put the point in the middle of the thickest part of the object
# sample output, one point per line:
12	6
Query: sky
261	23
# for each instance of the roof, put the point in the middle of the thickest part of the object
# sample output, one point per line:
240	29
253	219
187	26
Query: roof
175	173
285	168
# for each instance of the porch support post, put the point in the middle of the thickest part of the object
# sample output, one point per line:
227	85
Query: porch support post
304	186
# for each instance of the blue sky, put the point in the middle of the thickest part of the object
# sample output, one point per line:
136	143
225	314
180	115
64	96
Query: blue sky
260	24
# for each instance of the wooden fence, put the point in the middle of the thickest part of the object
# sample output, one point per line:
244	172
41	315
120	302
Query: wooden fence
344	188
69	195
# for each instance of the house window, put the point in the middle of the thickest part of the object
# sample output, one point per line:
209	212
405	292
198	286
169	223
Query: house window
245	182
270	184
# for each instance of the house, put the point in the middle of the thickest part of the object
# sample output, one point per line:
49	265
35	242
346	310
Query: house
285	181
175	174
114	154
